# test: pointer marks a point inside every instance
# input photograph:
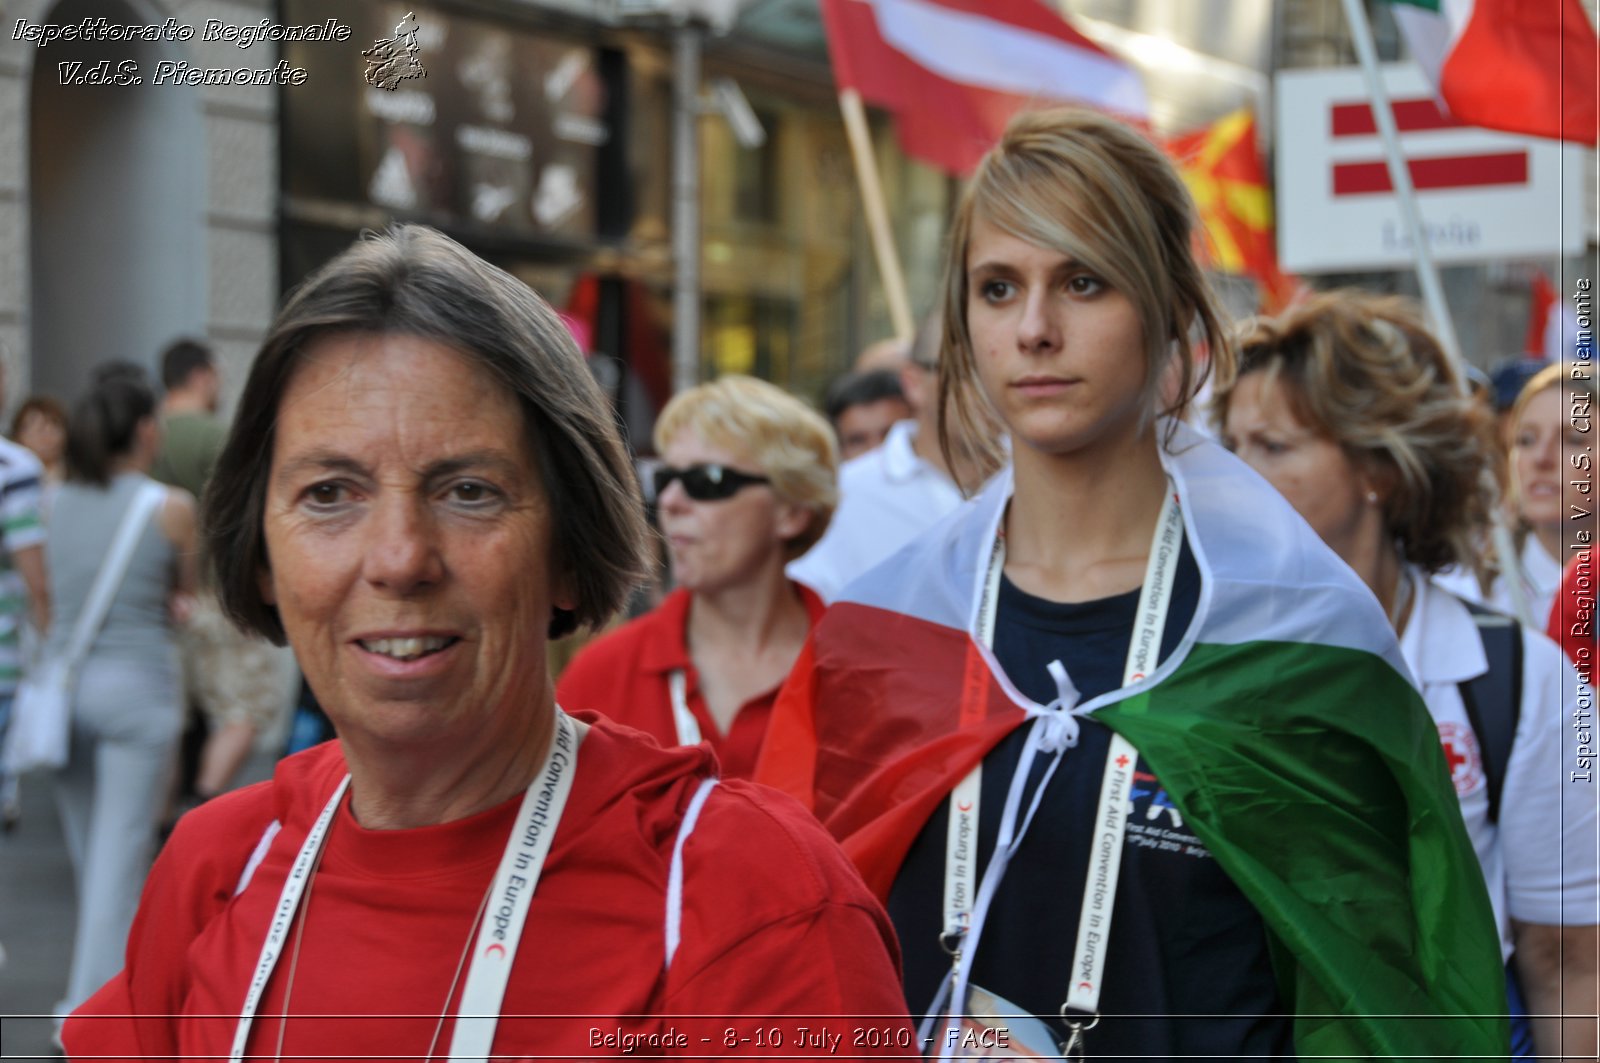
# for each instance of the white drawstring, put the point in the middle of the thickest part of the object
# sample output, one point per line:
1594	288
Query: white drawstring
1058	723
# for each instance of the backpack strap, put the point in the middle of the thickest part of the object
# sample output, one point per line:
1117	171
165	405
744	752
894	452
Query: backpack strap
1493	700
691	816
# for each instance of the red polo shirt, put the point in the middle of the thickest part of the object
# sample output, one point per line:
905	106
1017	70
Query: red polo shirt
623	674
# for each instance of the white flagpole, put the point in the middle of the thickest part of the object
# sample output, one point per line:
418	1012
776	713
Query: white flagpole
1400	177
873	204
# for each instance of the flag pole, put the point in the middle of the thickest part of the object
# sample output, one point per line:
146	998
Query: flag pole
1427	274
872	202
1400	177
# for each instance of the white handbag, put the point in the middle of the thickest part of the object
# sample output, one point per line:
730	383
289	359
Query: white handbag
41	713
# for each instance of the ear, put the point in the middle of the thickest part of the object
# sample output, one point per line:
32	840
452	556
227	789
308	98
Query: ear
563	591
264	586
791	520
1379	478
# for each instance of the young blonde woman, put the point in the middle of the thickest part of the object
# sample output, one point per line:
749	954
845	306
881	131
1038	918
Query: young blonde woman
1127	750
1349	407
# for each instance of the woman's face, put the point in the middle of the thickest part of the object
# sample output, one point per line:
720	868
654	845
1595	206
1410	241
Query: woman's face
44	435
1059	352
1543	442
409	546
723	543
1308	468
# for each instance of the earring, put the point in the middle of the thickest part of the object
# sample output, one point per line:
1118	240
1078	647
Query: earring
1372	498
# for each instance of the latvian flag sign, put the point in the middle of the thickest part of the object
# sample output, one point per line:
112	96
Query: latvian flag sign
1482	194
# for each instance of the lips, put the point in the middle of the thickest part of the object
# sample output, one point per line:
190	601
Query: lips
1043	385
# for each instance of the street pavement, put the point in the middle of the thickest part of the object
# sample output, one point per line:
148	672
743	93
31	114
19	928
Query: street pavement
36	916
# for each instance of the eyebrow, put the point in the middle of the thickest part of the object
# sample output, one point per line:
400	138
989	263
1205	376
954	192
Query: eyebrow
326	461
990	265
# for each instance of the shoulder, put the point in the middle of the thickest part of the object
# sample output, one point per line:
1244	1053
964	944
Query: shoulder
614	658
770	850
865	470
215	840
18	463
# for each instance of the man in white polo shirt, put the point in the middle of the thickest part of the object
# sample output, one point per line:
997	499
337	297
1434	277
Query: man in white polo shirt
891	494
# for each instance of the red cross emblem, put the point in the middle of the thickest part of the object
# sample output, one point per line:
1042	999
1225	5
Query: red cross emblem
1462	755
1122	760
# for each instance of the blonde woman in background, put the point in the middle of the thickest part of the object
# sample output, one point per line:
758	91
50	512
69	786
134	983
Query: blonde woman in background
1353	411
747	484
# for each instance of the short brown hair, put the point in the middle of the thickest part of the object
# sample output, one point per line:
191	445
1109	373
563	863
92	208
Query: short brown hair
1088	187
1364	371
415	281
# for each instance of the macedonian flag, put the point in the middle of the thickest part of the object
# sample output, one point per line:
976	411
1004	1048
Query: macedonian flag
1225	175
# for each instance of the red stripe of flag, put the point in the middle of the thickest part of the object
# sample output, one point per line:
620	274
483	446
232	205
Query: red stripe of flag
1449	171
1410	116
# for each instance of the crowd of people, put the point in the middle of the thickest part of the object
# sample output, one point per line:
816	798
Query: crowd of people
1093	675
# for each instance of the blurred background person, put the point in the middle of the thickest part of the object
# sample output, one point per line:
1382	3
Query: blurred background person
24	584
1544	515
746	484
863	407
1549	447
192	433
127	712
241	685
890	353
1355	413
40	424
890	495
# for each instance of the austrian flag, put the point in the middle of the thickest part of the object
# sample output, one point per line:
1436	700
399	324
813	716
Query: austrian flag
1522	66
954	72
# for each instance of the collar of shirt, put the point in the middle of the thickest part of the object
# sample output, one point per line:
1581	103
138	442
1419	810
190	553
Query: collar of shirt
1441	642
666	642
900	461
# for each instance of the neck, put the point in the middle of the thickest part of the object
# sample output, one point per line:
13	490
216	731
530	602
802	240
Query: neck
134	462
751	616
399	789
1110	500
1380	570
184	402
1549	536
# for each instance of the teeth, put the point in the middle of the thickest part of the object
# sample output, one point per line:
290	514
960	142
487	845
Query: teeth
405	649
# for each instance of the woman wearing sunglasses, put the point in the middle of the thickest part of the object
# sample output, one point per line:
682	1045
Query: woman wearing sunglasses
747	484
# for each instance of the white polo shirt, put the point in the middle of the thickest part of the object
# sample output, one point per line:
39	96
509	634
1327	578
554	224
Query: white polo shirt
887	497
1539	861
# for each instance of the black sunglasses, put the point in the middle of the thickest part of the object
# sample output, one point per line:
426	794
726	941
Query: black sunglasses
705	482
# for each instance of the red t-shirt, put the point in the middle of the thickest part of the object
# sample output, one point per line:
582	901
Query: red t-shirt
624	674
777	928
1572	615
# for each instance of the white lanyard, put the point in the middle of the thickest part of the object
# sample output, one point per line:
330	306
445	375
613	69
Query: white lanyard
1106	850
509	899
688	727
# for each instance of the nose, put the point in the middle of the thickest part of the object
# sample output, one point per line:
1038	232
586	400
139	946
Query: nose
1038	330
1547	451
403	555
674	499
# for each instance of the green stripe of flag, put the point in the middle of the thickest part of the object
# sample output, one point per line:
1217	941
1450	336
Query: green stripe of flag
1333	812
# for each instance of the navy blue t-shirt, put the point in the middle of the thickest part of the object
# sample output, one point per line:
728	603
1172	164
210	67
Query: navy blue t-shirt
1187	970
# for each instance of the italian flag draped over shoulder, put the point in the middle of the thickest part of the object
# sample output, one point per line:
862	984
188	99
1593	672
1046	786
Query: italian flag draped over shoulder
1522	66
1283	726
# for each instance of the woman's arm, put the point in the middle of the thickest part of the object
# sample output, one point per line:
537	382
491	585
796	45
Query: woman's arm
1557	968
181	527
